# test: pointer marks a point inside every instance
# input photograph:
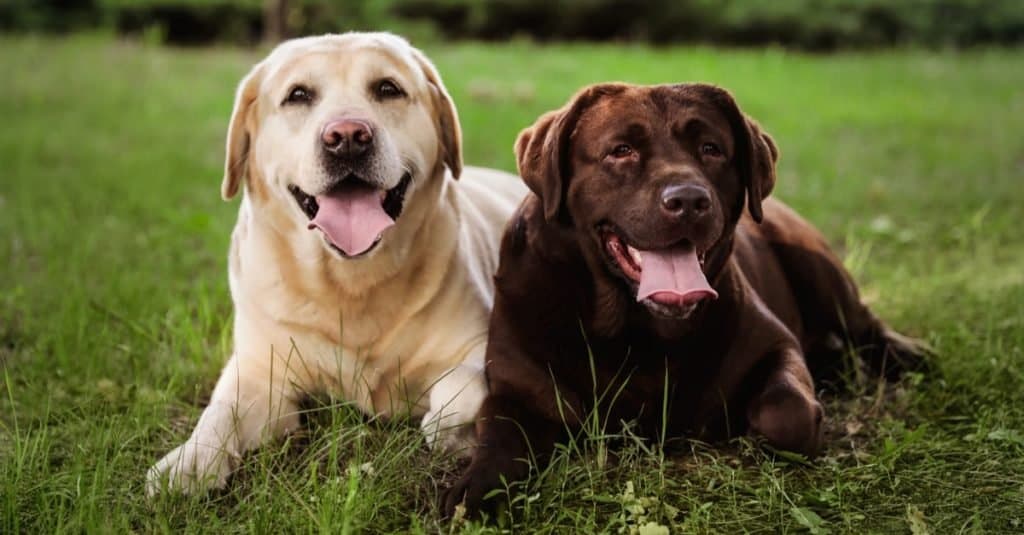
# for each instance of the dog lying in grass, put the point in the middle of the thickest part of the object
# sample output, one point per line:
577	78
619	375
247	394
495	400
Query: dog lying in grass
633	284
359	263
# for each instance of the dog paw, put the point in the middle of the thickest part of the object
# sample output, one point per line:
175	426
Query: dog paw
455	400
472	492
788	420
904	354
447	433
189	469
489	480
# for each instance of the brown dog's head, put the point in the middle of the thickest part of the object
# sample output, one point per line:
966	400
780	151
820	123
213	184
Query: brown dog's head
653	178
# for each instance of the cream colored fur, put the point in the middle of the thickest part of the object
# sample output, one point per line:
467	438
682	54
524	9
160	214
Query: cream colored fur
401	331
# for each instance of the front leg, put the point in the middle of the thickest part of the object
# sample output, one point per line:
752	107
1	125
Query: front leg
455	400
785	411
534	327
249	405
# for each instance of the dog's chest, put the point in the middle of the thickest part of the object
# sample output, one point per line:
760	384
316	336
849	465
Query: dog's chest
647	382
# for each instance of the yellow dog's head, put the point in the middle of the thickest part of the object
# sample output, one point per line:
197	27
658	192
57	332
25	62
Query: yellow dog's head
338	133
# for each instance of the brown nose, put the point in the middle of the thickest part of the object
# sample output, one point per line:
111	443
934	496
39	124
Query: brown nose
685	200
348	138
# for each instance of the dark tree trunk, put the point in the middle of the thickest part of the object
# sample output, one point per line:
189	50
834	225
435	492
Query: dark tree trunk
275	21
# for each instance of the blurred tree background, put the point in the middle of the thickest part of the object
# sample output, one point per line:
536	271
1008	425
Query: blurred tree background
818	25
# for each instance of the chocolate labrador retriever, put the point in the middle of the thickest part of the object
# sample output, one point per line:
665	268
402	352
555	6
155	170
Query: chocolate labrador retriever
632	283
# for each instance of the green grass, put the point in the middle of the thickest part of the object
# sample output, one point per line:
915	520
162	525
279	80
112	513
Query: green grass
114	309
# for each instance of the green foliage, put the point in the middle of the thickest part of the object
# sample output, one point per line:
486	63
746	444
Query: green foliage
807	24
115	313
803	24
51	15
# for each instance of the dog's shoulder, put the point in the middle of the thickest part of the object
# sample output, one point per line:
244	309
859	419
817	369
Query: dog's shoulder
514	242
538	257
529	233
535	249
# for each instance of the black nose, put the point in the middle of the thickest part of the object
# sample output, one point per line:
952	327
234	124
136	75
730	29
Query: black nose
685	200
348	138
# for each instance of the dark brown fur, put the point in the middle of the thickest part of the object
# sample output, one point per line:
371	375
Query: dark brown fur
740	364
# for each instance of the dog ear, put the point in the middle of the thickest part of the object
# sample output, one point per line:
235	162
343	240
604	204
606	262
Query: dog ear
239	137
542	150
449	131
761	158
539	156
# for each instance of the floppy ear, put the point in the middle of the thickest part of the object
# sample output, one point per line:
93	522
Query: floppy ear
539	159
239	137
542	150
761	158
448	127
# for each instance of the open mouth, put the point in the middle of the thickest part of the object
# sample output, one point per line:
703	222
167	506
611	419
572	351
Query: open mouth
669	280
353	214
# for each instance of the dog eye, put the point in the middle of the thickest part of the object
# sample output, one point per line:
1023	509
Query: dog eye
386	89
622	151
710	149
299	95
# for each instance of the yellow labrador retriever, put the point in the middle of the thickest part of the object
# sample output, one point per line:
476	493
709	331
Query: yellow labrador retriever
359	263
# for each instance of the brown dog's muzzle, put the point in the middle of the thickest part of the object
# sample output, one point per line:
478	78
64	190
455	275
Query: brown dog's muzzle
674	224
685	202
677	206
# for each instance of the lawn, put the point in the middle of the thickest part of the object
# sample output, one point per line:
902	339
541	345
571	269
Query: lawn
114	308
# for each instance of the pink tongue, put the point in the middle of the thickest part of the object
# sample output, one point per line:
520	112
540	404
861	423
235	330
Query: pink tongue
352	217
673	277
